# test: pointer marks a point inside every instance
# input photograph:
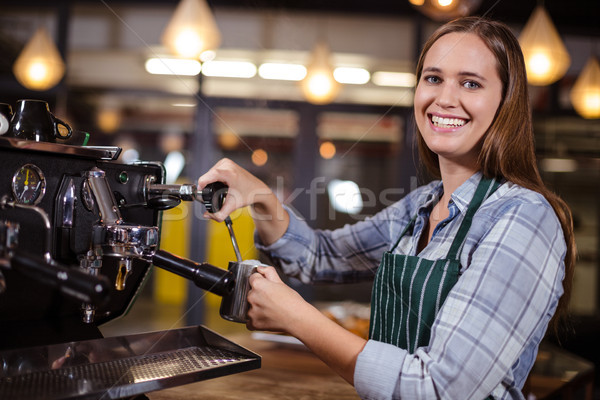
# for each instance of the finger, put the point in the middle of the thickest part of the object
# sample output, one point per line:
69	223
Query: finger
255	277
229	205
249	326
269	273
216	173
210	176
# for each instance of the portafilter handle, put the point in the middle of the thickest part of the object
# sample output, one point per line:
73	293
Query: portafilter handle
206	276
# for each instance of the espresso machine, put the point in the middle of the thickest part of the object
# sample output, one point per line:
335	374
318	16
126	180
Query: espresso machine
79	235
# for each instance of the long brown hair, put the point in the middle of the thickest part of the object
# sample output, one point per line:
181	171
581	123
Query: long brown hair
508	149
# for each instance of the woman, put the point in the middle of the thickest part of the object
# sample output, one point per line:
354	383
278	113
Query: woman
472	268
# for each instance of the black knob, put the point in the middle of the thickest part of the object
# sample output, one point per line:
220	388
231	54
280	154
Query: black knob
213	196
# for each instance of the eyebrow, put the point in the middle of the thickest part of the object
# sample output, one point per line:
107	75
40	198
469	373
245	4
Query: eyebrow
460	73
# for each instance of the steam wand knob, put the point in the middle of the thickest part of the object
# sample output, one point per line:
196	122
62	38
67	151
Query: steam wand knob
213	197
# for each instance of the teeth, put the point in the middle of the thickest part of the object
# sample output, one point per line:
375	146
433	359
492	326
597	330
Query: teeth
447	122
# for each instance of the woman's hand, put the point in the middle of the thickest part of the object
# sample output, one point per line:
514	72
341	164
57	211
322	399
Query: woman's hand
274	306
270	218
244	188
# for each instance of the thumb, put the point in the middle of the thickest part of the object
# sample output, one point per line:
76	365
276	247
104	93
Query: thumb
269	273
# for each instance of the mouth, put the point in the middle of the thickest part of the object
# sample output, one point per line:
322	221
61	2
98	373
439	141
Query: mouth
447	123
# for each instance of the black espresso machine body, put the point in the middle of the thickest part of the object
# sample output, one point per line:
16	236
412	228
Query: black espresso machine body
79	234
38	175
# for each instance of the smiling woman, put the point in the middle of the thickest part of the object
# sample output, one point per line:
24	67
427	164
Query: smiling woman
455	102
467	270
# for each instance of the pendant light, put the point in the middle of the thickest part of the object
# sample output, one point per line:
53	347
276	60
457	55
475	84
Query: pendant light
585	94
39	66
546	57
192	30
319	86
445	10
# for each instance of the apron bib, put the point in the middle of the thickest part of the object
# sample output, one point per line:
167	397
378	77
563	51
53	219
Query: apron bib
408	291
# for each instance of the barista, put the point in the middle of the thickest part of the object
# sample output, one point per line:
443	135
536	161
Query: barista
468	270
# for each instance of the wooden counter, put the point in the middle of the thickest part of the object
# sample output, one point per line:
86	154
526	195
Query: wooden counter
293	373
286	373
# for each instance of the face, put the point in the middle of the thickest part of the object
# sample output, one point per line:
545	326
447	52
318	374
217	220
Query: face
457	97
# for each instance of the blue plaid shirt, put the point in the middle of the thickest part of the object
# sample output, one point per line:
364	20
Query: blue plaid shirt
485	337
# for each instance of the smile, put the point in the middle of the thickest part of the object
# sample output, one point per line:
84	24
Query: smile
441	122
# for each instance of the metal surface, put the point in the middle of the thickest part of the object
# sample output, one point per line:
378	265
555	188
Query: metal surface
109	153
123	366
236	248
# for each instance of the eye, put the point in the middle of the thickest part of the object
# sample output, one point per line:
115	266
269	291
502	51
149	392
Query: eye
433	79
471	85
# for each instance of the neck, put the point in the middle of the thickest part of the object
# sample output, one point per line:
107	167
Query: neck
453	176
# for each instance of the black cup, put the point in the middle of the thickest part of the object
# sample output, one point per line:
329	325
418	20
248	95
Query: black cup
5	116
32	120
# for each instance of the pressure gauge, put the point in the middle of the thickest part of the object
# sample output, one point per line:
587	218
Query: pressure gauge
29	184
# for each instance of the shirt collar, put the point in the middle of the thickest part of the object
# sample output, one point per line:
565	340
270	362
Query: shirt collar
463	195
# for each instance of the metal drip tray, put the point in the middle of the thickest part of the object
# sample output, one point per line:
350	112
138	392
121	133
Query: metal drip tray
123	366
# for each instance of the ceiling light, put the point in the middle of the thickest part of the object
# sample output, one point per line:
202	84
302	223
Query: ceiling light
228	140
319	85
109	119
585	94
184	105
546	57
192	29
444	3
39	66
229	69
400	79
445	10
173	66
353	76
282	71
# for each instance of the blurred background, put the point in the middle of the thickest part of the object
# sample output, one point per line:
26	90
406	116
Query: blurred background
335	156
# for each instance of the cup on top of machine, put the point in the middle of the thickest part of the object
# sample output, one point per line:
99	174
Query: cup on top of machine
32	120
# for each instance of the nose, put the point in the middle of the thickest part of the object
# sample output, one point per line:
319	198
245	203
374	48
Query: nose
447	96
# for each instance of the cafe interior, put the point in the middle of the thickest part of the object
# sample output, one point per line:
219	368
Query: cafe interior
313	97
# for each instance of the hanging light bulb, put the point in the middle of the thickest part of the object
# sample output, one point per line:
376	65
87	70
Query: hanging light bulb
585	94
445	10
319	85
546	57
192	30
39	66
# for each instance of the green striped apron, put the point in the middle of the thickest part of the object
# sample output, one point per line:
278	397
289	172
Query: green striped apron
408	291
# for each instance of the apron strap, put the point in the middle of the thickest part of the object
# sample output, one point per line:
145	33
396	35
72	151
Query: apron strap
409	226
485	188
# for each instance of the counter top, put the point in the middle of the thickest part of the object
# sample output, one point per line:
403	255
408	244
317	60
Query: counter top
287	372
292	372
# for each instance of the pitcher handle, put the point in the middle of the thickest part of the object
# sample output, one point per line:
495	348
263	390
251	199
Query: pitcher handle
57	122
